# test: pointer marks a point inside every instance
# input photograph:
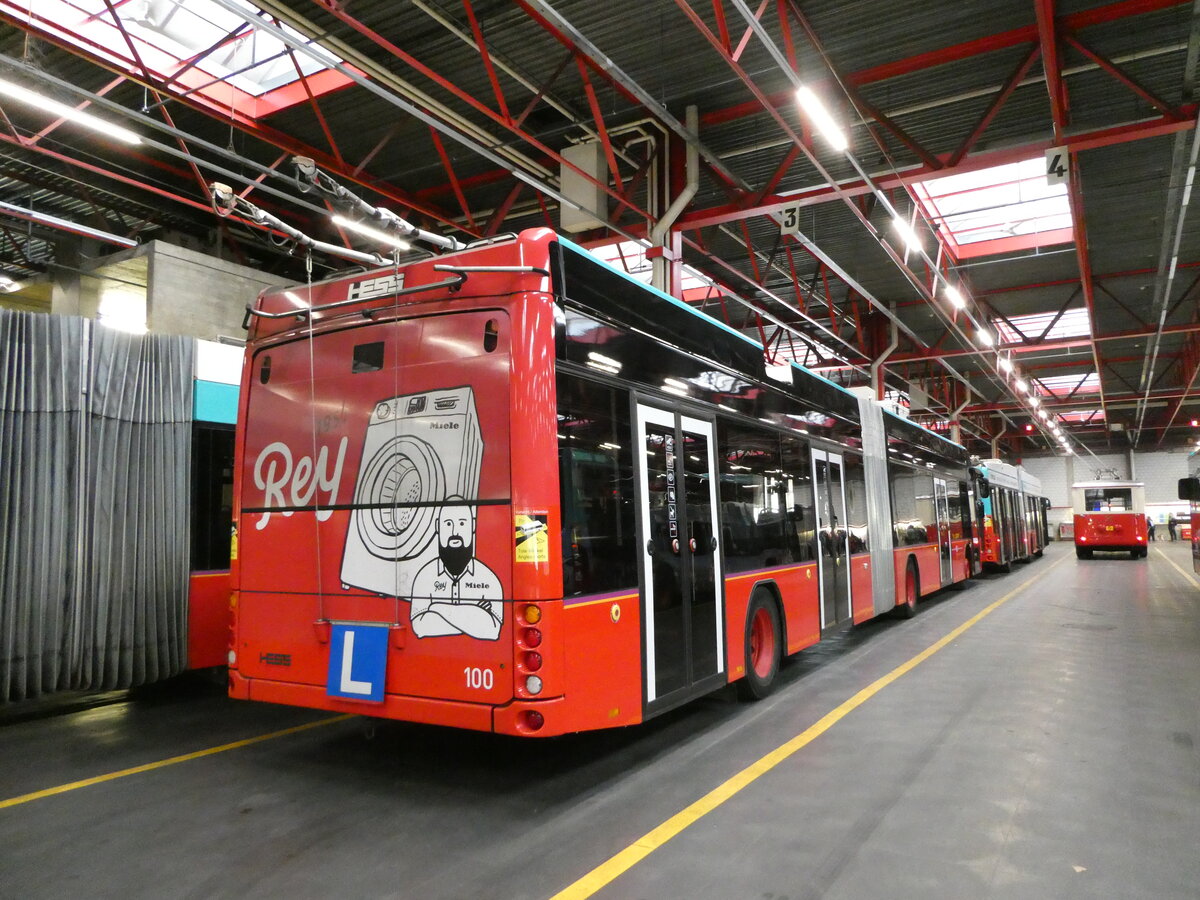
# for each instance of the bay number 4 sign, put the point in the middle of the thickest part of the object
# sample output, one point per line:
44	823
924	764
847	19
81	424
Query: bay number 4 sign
1058	166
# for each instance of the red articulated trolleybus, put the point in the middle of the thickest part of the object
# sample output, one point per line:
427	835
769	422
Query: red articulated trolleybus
512	489
1109	516
1014	526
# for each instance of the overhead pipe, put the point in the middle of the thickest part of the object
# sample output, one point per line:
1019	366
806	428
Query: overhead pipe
927	292
1167	265
323	57
662	228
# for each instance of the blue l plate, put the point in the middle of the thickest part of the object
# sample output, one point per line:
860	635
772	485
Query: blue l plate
358	662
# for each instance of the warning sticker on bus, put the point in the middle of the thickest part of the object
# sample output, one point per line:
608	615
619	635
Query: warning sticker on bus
532	540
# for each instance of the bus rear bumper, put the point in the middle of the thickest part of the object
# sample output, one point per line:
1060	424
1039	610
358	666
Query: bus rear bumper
510	719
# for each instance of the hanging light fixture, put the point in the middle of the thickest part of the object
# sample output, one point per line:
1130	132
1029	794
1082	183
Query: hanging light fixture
45	104
816	111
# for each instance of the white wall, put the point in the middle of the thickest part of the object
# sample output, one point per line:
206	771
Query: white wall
1159	470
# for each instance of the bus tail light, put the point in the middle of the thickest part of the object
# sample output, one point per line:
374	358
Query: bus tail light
532	720
533	684
532	637
532	614
533	661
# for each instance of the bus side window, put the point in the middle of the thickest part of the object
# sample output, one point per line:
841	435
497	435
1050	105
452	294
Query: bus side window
212	495
596	482
799	504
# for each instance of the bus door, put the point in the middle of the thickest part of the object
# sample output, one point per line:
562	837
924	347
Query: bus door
942	508
682	584
1002	505
834	551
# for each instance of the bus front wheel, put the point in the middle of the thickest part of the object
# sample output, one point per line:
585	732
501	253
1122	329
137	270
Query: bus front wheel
764	648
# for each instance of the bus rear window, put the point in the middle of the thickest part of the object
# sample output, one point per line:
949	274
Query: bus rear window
367	357
1108	499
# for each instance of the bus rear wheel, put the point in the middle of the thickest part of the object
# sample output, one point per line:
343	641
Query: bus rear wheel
1083	552
912	592
763	647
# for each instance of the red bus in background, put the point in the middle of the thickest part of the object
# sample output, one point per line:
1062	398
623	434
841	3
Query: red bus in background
1014	526
1109	516
512	489
1189	489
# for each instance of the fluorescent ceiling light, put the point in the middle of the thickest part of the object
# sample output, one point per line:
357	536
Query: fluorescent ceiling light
1022	385
816	111
45	104
1006	365
1034	401
380	237
910	237
32	215
956	298
985	338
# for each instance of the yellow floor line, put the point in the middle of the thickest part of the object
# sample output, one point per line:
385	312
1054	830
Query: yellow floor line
1187	575
626	859
149	767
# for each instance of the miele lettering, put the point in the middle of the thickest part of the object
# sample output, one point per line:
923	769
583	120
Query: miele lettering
375	287
274	471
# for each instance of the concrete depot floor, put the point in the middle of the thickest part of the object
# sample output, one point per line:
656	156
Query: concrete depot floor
1048	751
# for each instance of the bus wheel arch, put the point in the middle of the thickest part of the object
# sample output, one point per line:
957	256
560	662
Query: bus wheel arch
763	645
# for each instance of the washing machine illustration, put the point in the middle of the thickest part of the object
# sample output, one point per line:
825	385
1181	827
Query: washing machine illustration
418	450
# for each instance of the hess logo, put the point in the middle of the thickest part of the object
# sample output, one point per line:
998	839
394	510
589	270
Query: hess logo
290	483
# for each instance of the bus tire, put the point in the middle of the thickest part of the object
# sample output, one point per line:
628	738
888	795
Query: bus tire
763	648
912	591
1083	552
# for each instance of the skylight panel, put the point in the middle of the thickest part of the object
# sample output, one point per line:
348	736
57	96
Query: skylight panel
1018	329
249	59
200	47
1083	416
998	210
1062	386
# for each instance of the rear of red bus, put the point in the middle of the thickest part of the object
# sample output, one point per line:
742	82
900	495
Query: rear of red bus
1110	531
396	489
1109	516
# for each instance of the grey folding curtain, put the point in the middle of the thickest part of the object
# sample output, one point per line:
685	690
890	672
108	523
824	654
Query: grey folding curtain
95	433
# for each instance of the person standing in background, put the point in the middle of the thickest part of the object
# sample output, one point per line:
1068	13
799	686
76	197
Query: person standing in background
1171	525
1149	528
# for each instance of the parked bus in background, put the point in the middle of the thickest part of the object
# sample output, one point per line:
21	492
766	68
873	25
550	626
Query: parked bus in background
1109	516
513	489
1189	489
214	412
1014	526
